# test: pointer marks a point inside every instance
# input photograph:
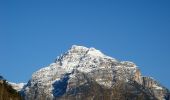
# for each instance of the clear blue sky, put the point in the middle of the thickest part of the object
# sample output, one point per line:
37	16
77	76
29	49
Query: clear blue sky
34	32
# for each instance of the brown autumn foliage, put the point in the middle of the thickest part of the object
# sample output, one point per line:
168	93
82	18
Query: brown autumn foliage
7	92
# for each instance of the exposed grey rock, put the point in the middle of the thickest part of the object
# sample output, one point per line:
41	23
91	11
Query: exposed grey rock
83	73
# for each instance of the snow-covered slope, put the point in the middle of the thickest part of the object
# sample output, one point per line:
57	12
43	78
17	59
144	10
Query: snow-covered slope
74	68
17	86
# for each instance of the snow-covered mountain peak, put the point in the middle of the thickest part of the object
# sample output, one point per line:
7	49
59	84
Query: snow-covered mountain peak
84	50
94	52
81	58
78	48
75	68
78	57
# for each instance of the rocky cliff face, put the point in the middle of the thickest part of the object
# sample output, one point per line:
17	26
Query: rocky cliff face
87	74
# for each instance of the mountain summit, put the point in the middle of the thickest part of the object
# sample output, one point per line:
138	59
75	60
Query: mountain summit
87	74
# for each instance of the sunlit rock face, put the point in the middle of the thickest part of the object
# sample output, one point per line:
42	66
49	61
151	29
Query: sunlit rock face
85	73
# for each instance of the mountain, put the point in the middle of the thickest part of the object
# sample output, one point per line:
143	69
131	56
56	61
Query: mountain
17	86
87	74
7	92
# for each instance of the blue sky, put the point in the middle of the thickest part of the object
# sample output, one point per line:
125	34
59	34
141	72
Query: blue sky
34	32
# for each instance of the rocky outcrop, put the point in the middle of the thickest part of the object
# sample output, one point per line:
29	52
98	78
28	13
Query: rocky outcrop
86	73
158	90
138	77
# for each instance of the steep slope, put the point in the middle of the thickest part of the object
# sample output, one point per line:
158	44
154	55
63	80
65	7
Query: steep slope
7	92
17	86
86	73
